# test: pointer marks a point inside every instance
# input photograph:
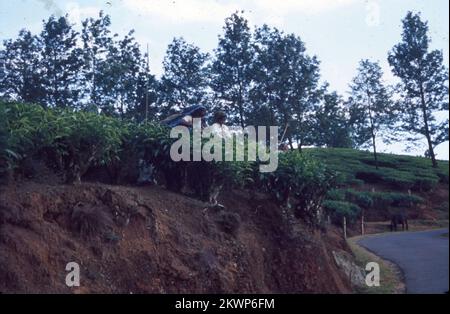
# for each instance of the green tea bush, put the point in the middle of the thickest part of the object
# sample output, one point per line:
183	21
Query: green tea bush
395	200
371	200
369	175
27	128
355	182
362	199
146	141
5	154
77	141
85	139
72	140
397	171
443	177
339	209
336	195
381	162
300	177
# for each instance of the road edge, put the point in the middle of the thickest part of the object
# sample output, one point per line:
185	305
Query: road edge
389	270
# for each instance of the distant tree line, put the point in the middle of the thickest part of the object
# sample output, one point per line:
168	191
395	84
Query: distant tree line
259	77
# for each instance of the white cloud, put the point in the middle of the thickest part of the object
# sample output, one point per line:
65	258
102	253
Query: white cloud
213	10
372	14
52	6
303	6
78	13
274	20
182	10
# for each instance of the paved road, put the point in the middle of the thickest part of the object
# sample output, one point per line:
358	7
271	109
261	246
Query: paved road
422	256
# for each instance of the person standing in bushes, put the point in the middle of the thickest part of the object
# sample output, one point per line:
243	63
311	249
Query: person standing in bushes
219	128
177	177
212	182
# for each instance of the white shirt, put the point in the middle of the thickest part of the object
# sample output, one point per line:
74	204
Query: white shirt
220	130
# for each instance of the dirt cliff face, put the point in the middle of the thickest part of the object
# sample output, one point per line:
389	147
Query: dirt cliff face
149	240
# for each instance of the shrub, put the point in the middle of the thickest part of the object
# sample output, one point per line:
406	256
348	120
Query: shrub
338	210
24	131
381	163
301	177
72	140
404	200
355	181
362	199
382	200
85	139
373	200
443	207
425	184
144	141
336	195
400	172
369	176
5	154
294	173
76	141
443	177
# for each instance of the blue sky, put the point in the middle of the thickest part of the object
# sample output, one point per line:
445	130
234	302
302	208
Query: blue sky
339	32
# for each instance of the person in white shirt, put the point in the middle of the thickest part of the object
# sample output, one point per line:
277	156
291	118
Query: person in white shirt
218	127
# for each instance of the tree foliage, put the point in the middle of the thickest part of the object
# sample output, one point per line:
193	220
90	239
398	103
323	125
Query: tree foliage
285	82
185	77
231	69
21	71
370	105
424	84
259	76
330	126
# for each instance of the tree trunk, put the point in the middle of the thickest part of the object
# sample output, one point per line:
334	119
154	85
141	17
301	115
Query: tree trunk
55	83
240	97
362	224
241	116
344	224
372	131
299	145
241	110
375	150
427	128
291	146
94	86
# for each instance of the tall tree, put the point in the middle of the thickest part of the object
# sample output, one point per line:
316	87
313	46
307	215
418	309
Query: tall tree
370	105
145	105
285	81
231	69
120	76
330	123
185	76
62	62
271	86
424	83
96	43
20	68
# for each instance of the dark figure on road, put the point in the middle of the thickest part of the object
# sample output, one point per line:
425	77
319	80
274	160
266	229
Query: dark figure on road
399	219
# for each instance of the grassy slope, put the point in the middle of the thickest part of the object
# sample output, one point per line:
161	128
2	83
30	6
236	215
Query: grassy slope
399	170
396	174
385	189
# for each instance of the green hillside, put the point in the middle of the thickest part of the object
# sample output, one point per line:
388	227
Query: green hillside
401	182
